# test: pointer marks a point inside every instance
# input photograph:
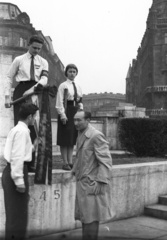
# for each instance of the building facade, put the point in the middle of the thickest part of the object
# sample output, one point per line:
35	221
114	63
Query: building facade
146	81
97	102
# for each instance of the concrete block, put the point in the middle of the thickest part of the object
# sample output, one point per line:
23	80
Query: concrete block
51	208
157	211
162	200
5	126
2	145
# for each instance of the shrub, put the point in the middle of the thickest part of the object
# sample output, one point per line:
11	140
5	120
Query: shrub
144	136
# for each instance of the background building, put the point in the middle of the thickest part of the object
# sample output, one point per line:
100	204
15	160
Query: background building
146	81
102	102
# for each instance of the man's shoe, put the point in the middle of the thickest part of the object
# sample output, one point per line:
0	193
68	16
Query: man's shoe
66	167
71	165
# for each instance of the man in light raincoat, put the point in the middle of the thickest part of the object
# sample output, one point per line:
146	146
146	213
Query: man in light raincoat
92	170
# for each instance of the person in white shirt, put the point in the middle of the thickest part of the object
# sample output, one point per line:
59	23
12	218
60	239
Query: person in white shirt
18	152
29	70
69	100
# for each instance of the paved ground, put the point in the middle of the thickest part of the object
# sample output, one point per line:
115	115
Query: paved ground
138	228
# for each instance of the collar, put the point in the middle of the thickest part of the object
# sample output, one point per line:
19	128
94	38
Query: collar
20	123
88	131
69	81
29	55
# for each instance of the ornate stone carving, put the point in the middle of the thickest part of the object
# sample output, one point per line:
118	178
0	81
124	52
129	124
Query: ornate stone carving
23	18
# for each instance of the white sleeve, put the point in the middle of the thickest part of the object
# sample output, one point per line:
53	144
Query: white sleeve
44	74
17	162
59	101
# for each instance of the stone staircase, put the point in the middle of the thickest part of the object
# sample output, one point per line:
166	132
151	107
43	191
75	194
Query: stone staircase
158	210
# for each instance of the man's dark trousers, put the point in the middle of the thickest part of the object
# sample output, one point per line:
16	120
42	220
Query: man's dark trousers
90	230
16	206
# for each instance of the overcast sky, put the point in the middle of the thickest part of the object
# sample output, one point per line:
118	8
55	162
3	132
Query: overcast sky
100	36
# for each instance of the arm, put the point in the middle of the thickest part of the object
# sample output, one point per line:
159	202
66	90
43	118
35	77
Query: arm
17	160
103	157
60	102
44	74
43	78
80	104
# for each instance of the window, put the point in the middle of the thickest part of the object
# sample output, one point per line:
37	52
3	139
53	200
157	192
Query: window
1	40
4	41
165	38
21	42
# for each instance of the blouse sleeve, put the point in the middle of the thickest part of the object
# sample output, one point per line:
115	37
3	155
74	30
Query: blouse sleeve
59	101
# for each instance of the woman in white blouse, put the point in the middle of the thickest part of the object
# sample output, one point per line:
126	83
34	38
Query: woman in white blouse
69	100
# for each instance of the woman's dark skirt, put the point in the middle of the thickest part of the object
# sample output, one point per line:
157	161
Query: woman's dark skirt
16	205
67	134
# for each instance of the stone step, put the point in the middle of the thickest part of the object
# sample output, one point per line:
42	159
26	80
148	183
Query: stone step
157	211
163	200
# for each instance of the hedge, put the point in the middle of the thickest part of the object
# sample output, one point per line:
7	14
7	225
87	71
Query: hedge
143	137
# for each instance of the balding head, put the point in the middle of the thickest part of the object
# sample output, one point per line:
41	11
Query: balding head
81	120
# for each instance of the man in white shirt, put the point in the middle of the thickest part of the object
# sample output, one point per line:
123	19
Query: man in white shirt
18	152
29	70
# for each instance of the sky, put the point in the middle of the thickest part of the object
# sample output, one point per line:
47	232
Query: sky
100	36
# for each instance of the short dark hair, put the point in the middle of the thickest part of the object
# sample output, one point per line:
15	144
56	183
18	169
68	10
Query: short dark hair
87	115
27	109
71	65
36	38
